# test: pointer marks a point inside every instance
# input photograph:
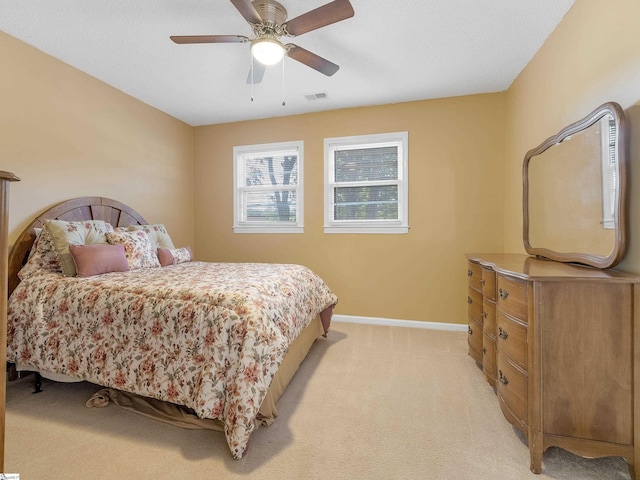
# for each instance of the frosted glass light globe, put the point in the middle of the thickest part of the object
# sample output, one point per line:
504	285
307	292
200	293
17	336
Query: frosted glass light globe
267	51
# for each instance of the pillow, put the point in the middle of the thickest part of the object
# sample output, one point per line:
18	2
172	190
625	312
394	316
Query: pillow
64	233
95	259
157	233
137	248
42	257
174	256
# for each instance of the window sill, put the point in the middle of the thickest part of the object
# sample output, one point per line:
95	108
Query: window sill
396	230
287	229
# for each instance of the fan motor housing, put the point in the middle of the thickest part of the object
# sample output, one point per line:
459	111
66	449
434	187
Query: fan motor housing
270	11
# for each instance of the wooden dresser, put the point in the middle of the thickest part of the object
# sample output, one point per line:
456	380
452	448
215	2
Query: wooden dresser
558	342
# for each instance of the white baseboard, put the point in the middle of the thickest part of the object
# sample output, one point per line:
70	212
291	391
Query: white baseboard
390	322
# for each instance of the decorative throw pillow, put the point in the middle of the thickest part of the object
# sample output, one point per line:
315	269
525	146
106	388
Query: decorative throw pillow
42	257
157	234
96	259
137	248
63	233
174	256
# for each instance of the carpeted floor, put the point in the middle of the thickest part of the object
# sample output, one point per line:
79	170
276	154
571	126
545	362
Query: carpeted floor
369	402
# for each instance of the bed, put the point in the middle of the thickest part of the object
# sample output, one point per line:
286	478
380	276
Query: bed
221	340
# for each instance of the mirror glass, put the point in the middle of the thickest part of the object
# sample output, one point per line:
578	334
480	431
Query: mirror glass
574	187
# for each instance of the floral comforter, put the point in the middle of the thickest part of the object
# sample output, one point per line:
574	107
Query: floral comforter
209	336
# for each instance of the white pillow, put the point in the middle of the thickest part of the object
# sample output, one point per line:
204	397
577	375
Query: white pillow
157	234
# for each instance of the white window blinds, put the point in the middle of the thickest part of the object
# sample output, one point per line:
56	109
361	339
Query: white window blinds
609	137
366	184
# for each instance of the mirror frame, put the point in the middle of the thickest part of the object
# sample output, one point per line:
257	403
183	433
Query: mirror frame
620	214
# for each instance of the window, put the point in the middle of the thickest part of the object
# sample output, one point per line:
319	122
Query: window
366	184
609	137
268	195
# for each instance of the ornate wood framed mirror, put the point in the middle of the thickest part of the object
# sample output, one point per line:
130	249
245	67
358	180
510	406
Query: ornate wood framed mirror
574	191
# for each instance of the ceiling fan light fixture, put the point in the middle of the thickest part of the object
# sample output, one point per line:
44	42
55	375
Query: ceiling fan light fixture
267	51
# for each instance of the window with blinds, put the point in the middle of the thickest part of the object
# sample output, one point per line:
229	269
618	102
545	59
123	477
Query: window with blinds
268	195
366	184
609	136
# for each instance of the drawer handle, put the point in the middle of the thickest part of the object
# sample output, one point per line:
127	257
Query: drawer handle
484	314
469	300
502	333
503	378
484	350
483	282
503	294
470	330
469	273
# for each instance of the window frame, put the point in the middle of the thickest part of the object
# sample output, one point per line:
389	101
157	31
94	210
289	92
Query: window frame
264	149
398	226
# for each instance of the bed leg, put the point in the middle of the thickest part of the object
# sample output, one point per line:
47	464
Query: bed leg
38	383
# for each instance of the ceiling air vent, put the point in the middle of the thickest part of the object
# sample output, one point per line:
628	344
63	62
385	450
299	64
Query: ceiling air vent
316	96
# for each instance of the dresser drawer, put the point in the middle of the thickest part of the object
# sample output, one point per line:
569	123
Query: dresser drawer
512	386
512	418
512	297
489	283
512	339
489	359
489	317
474	302
475	340
474	275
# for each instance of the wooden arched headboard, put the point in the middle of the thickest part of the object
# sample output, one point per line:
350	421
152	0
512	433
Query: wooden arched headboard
83	208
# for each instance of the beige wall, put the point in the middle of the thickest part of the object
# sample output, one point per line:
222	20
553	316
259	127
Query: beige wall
592	57
456	188
66	134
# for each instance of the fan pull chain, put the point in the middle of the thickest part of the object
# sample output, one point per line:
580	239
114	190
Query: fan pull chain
283	102
252	75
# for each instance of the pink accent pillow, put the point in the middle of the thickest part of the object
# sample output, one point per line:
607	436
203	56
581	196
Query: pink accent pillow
97	258
175	256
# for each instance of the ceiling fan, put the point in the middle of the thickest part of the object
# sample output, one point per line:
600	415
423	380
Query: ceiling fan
268	20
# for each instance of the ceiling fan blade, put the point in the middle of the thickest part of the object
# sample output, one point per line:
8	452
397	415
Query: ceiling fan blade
322	16
256	73
311	60
183	39
246	9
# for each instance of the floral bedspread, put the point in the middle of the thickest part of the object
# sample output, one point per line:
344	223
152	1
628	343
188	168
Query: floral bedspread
209	336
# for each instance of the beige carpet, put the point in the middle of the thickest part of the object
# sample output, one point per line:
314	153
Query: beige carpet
370	402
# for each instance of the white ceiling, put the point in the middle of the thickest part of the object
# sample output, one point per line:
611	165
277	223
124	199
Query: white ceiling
390	51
